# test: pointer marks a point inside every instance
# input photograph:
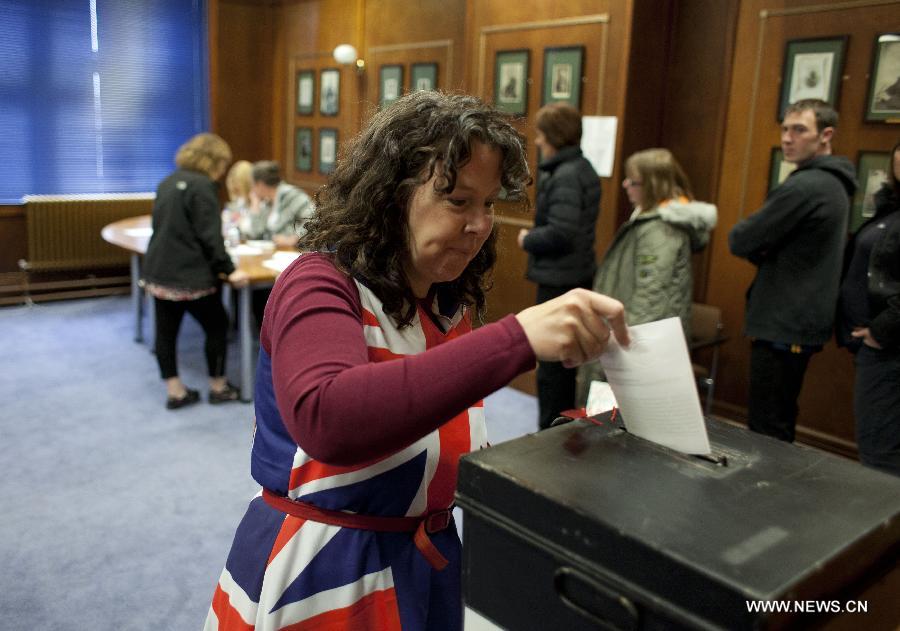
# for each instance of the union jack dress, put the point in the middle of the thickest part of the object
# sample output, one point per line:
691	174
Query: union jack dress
284	572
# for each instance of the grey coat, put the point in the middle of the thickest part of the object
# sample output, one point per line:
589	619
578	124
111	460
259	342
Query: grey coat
648	268
648	265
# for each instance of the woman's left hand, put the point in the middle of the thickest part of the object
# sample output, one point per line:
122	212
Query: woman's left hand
866	336
521	238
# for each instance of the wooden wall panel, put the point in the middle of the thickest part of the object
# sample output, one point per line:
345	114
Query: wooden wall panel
418	32
698	77
13	238
242	56
752	131
310	31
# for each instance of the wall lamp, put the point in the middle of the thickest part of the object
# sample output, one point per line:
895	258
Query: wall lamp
345	54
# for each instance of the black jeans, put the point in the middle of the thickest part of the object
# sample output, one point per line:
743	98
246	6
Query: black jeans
876	405
776	377
555	383
210	313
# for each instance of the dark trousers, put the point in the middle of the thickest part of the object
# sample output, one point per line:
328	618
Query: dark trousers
776	377
876	405
555	383
210	313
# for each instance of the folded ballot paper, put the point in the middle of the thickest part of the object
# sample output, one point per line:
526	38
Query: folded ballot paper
653	383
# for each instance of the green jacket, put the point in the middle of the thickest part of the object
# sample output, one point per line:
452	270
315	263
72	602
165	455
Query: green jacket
648	266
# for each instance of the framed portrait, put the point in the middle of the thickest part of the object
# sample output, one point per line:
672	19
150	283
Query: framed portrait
511	81
423	77
778	168
303	149
329	91
562	75
812	70
883	103
872	171
327	149
306	92
390	84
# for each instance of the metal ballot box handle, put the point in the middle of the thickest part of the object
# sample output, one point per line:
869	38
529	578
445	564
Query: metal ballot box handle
600	603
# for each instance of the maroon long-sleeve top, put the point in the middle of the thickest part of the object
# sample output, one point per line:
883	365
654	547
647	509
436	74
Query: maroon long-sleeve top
343	409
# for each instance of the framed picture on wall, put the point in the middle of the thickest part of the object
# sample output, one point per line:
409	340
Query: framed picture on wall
562	75
390	84
511	81
778	168
883	103
306	91
812	70
329	91
872	171
327	149
303	149
423	77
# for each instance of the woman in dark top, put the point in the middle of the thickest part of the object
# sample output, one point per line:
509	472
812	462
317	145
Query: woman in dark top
186	262
869	326
560	246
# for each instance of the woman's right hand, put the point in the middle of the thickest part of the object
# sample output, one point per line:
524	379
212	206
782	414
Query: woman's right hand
575	327
238	278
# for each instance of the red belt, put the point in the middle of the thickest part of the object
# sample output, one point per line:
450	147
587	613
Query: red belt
422	526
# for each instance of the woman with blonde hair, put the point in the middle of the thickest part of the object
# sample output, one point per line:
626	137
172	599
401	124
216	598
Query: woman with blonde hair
648	265
239	184
186	263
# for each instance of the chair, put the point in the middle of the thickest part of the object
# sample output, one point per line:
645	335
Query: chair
706	332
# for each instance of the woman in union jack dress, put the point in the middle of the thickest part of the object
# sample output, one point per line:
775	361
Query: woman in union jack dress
370	377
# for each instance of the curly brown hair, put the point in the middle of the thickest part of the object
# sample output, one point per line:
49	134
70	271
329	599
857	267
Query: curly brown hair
361	213
206	153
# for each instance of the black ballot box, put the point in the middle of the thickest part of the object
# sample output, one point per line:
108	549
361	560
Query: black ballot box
585	526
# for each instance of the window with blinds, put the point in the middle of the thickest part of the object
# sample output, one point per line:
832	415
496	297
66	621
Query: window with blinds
97	95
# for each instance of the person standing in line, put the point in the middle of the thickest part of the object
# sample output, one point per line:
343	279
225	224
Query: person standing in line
278	210
560	246
186	262
648	266
869	326
796	240
371	377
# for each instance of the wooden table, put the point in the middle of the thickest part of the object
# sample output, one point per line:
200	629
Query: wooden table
133	234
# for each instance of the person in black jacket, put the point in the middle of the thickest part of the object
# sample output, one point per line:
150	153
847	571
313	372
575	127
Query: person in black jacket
796	240
186	262
561	245
869	326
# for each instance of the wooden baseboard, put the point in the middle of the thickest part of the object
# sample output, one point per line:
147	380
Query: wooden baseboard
25	292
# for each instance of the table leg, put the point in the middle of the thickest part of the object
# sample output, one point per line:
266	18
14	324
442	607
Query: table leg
137	298
245	325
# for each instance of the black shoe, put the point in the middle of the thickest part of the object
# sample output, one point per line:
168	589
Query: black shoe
190	396
228	393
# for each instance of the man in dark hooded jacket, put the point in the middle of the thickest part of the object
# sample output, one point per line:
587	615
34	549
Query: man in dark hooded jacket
796	240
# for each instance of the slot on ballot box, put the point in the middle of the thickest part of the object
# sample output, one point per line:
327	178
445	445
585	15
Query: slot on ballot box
585	526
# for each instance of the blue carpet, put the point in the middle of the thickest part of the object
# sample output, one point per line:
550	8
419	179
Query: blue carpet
117	513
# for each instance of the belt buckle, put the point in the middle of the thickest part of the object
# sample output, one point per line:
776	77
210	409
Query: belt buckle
437	521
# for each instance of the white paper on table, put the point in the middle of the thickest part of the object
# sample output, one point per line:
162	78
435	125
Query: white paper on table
600	398
654	385
139	232
598	142
280	261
